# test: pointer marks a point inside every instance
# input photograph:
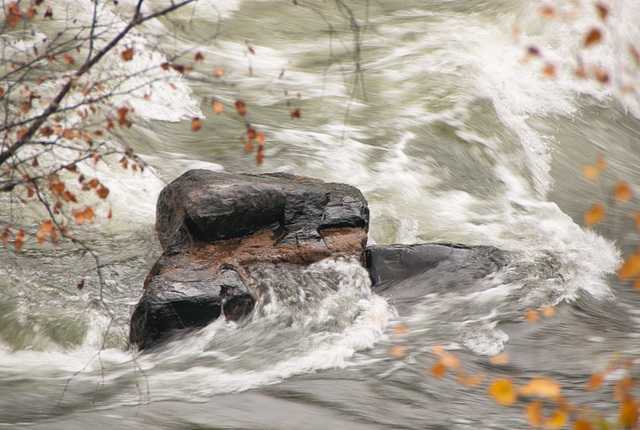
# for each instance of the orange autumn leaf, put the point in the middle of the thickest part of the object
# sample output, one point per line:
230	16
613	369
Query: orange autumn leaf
241	107
47	226
13	14
549	70
260	155
41	236
636	218
549	311
248	146
450	361
127	54
595	381
629	413
531	316
623	389
502	392
18	244
400	329
217	108
438	350
470	381
557	420
595	215
397	351
102	192
541	387
69	59
83	215
582	425
196	124
30	13
547	12
438	370
5	236
499	359
534	415
260	138
636	284
630	268
593	38
622	191
218	72
590	172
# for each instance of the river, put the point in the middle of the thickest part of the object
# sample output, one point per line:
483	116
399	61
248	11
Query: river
453	133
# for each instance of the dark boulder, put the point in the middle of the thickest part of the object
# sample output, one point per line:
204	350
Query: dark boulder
214	227
405	273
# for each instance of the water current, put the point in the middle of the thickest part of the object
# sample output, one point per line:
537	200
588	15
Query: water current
434	110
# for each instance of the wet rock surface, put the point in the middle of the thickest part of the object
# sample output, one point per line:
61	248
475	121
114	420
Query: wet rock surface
220	232
214	227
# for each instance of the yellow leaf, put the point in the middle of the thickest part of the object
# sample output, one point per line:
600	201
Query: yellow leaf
541	387
595	215
622	192
502	392
557	420
630	268
533	412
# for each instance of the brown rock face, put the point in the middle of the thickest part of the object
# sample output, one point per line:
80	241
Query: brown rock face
216	227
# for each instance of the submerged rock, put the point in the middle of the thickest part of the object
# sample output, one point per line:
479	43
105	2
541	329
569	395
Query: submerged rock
214	227
405	273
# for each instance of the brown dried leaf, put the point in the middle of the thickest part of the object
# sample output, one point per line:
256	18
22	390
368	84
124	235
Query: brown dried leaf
196	124
68	59
102	192
241	107
594	37
13	14
295	113
127	54
199	56
30	13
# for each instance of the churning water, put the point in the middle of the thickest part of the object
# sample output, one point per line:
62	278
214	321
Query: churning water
453	134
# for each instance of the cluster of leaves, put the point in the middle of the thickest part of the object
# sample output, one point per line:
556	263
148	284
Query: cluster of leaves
544	405
591	38
621	194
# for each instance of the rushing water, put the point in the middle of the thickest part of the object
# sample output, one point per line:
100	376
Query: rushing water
452	133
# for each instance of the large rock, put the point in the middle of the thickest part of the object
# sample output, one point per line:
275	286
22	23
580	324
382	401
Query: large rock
406	273
214	227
